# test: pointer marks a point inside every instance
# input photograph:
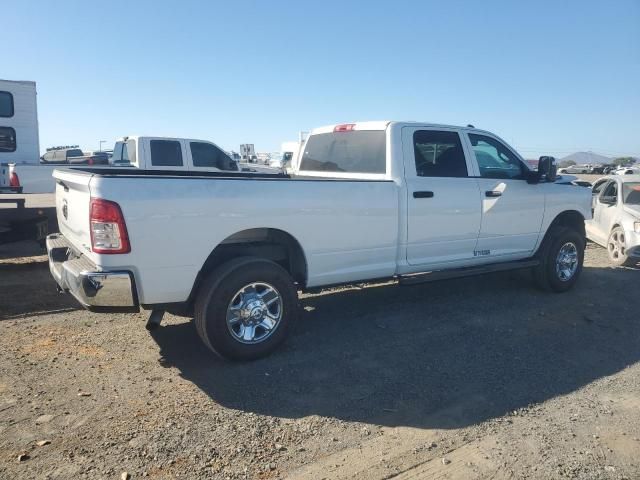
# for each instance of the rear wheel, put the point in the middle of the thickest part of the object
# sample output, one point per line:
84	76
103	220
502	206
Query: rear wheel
246	308
561	257
617	248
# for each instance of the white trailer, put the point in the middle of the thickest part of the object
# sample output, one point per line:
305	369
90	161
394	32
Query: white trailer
20	140
21	216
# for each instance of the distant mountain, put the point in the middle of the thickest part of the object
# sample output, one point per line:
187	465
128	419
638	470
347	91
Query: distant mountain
582	158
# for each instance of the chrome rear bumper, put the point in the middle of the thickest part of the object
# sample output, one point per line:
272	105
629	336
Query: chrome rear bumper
96	290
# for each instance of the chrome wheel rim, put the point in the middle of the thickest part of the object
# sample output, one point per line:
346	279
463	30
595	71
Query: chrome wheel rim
567	261
616	245
254	313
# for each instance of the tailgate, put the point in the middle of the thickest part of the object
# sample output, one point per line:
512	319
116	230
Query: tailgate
73	198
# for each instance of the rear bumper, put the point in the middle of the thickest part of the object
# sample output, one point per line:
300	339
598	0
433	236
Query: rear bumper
96	290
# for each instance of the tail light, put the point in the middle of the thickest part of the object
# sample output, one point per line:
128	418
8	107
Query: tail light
346	127
90	161
14	180
108	229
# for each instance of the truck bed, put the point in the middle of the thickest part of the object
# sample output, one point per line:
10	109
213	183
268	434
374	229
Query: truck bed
134	172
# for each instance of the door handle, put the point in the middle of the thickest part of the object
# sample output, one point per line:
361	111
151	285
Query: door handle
492	193
423	194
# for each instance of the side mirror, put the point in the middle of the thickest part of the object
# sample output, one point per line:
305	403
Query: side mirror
608	200
547	168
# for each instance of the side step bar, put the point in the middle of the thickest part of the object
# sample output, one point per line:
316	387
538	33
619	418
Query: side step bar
465	272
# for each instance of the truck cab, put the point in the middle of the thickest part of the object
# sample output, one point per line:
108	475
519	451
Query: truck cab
165	153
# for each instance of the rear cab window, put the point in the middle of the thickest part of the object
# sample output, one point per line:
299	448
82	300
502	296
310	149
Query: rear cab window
348	153
124	153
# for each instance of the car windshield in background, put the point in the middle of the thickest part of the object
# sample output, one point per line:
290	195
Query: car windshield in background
358	151
631	193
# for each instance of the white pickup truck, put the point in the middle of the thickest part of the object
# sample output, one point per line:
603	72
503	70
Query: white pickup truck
165	153
370	200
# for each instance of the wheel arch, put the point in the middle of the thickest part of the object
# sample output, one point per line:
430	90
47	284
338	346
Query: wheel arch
569	218
271	243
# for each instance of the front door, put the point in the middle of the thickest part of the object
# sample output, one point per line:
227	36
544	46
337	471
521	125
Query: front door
443	199
593	226
512	209
605	213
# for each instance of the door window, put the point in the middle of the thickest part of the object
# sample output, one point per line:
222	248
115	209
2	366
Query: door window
495	160
439	154
166	153
208	155
597	187
631	193
611	191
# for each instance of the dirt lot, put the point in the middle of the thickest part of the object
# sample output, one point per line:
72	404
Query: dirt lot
472	378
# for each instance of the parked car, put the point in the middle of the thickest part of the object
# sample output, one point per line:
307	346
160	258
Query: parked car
616	218
74	156
369	200
626	171
97	157
575	169
61	155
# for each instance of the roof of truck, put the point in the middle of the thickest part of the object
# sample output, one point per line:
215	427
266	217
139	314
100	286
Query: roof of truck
383	124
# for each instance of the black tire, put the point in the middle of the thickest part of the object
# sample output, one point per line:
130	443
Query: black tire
219	289
545	274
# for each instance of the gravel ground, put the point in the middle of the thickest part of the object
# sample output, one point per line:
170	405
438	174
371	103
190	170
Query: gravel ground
471	378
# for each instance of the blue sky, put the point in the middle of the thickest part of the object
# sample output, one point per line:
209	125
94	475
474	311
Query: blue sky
548	76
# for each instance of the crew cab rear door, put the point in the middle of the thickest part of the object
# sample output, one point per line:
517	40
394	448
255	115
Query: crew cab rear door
165	153
443	198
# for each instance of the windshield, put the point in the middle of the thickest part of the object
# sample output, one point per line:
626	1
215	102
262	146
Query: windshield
631	193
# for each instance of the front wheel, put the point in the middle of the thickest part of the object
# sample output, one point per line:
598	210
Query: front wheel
561	257
246	308
617	248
